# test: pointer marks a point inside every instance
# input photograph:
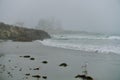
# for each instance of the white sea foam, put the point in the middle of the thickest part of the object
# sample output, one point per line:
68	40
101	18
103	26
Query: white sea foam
114	37
85	42
83	47
66	37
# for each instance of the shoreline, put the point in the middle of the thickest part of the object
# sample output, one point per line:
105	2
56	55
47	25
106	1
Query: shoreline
29	45
100	66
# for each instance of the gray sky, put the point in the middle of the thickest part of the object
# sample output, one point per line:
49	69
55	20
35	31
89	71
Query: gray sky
87	15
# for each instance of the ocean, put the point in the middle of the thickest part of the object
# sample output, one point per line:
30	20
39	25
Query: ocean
99	43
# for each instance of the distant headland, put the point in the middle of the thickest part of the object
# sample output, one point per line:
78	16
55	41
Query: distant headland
17	33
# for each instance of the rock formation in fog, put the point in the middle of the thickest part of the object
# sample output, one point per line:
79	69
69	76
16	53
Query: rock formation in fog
50	25
15	33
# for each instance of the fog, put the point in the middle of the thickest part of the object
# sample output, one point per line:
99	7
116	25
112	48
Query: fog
84	15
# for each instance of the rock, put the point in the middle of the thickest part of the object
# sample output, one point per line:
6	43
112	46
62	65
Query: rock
63	65
28	74
44	62
15	33
36	76
37	68
84	77
44	77
32	58
26	56
80	76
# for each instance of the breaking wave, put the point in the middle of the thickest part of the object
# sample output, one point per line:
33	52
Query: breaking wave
66	37
85	47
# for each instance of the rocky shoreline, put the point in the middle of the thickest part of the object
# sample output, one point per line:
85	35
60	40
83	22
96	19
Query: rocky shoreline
16	33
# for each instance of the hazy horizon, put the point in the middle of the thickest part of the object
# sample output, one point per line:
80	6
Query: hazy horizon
100	16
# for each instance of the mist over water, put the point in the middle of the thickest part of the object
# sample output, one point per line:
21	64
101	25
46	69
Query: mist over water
94	38
101	16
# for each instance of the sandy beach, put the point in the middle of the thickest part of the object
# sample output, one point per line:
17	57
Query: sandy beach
100	66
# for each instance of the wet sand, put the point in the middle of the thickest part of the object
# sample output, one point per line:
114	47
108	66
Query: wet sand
34	61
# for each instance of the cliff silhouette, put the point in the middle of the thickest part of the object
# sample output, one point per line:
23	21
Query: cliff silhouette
16	33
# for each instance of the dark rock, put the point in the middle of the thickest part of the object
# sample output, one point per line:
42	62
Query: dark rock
44	62
8	72
36	69
26	56
63	65
15	33
84	77
44	77
20	69
36	76
32	58
28	74
89	78
80	76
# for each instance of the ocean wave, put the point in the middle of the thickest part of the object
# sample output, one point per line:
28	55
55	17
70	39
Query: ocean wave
67	37
85	47
114	37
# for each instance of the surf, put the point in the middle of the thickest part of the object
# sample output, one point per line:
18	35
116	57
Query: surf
90	43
